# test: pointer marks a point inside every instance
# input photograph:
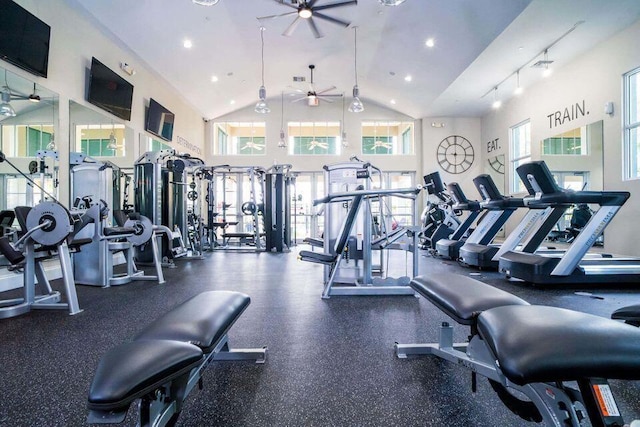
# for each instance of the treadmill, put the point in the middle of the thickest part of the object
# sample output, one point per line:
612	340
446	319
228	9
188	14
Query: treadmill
527	236
450	248
571	267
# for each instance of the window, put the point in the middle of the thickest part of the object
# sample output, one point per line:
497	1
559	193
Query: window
25	140
387	137
314	138
155	145
632	124
520	153
19	193
239	138
571	143
101	140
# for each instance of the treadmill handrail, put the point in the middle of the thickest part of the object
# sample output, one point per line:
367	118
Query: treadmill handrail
571	197
339	197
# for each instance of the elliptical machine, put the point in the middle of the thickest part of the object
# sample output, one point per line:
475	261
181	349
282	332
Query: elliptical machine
438	218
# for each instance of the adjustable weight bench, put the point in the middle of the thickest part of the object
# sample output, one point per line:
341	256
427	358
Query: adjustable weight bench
166	360
533	350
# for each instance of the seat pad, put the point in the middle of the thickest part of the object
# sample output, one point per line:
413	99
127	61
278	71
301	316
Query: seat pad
117	231
202	320
317	257
460	297
630	313
133	369
543	344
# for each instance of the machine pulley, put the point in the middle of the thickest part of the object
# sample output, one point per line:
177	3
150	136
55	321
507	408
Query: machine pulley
60	224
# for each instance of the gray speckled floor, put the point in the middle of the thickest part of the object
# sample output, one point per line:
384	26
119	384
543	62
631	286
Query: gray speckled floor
330	363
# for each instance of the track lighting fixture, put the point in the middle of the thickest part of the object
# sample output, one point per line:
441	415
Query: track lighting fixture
496	102
356	105
261	106
519	89
34	97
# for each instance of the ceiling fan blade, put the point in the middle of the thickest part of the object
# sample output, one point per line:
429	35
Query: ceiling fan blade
316	33
331	19
260	18
292	27
325	90
325	99
336	4
310	3
282	2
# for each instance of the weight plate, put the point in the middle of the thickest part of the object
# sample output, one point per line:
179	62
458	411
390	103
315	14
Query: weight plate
60	223
143	230
192	195
33	167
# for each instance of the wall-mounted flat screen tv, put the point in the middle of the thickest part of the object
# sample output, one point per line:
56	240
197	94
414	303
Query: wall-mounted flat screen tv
159	121
109	91
24	39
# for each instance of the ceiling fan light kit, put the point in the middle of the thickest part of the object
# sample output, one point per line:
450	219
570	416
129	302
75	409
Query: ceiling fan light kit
206	2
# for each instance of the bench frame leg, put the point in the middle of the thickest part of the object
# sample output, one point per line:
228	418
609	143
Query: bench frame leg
558	405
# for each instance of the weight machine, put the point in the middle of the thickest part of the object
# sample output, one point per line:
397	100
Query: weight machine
98	183
277	212
161	193
349	231
47	230
226	213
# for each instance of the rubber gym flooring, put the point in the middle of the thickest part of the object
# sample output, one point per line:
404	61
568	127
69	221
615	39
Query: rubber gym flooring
329	363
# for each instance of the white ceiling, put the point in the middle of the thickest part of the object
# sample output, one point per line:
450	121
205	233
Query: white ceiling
478	44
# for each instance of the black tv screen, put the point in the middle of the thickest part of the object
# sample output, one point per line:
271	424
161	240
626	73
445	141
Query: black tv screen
24	39
159	121
109	91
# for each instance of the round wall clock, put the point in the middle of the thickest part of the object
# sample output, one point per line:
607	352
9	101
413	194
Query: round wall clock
497	163
455	154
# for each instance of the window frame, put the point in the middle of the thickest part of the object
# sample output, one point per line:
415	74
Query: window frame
402	143
515	185
330	133
631	165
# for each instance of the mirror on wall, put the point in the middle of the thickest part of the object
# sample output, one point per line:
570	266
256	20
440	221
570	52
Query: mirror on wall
28	116
576	157
99	135
494	167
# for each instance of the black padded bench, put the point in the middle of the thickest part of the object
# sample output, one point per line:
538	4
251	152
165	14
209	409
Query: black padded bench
165	361
538	351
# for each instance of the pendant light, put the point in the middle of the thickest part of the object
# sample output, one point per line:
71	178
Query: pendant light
344	141
51	146
113	143
356	105
261	106
282	143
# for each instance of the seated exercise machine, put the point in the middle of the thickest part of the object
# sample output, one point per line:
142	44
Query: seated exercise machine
535	351
96	182
47	230
348	250
439	220
528	234
450	247
167	359
574	265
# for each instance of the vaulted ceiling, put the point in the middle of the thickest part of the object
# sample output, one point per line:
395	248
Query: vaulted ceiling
477	44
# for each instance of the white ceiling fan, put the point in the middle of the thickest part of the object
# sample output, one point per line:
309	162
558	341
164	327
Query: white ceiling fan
307	10
315	143
252	145
313	96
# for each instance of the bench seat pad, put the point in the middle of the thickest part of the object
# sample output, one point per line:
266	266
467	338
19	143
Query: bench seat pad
202	320
317	257
630	313
543	344
133	369
460	297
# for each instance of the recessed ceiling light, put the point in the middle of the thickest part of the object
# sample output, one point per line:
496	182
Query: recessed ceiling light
430	42
393	101
233	101
188	44
408	78
214	79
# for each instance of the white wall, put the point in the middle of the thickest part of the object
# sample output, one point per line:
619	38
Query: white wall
75	38
596	78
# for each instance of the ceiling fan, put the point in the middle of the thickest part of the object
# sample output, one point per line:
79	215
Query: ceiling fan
252	145
307	10
315	143
314	96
